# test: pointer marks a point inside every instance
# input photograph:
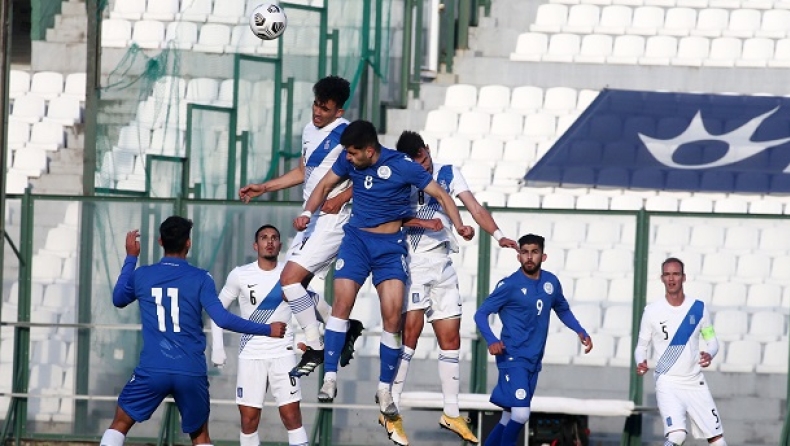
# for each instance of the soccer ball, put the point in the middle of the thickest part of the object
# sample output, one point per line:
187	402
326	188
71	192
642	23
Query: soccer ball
268	21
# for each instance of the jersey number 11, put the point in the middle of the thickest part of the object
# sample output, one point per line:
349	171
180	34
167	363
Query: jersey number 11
172	293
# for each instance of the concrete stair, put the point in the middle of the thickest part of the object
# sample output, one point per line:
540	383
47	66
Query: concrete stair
64	49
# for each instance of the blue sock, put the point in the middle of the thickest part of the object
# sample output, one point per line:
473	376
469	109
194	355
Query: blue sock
389	363
510	433
333	345
495	436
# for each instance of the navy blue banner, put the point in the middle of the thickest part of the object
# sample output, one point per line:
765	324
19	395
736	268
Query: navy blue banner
674	141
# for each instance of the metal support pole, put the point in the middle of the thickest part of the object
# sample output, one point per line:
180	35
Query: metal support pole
92	96
464	18
405	63
5	65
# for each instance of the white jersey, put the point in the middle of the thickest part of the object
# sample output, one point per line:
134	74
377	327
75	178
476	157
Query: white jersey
674	333
426	207
260	299
320	149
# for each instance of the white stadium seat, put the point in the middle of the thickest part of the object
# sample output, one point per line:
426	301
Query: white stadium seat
441	123
213	38
18	84
717	268
202	90
487	151
728	295
148	34
741	239
679	22
743	23
742	356
31	162
116	33
460	98
493	99
691	51
764	296
775	358
711	22
194	10
696	203
766	326
539	127
561	347
730	325
474	124
180	35
724	51
48	136
598	356
646	21
128	9
163	10
775	24
560	100
64	110
550	18
589	289
659	50
595	48
75	86
756	52
29	109
523	199
582	19
731	204
623	356
530	47
558	201
16	181
752	268
229	12
627	50
525	100
562	48
580	262
506	126
18	135
614	20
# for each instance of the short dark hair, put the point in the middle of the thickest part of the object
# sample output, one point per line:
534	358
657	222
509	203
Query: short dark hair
360	134
674	260
410	143
174	232
266	226
532	239
333	88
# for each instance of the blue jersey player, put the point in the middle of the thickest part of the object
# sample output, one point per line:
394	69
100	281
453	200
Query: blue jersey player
172	295
523	302
374	242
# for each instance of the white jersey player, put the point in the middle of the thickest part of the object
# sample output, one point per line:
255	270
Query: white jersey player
674	326
264	363
433	292
312	251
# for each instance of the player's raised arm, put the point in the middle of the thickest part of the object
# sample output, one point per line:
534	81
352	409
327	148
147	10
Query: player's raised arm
446	201
228	320
123	292
483	218
288	179
318	196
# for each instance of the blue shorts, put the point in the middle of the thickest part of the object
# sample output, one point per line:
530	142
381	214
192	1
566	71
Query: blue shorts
514	388
362	252
144	392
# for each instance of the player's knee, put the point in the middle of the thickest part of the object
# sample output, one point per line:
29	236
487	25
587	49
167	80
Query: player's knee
519	414
676	437
291	419
293	274
717	441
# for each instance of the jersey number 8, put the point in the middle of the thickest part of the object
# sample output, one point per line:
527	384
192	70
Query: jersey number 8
172	293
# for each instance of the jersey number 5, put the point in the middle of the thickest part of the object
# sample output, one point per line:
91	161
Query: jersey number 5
172	293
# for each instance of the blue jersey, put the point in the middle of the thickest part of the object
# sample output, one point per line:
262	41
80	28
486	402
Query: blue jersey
172	296
523	306
382	191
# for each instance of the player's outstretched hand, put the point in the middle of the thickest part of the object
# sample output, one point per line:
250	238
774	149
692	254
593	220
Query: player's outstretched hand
301	222
704	359
642	368
497	348
278	329
505	242
218	357
251	191
133	243
467	232
586	342
433	224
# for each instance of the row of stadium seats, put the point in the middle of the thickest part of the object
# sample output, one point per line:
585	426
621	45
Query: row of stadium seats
219	11
699	4
31	109
655	50
523	100
654	20
46	84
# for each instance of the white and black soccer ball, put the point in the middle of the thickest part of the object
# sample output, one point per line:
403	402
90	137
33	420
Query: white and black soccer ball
268	21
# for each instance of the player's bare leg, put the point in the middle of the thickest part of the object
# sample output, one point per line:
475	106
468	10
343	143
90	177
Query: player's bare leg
449	338
250	419
116	434
291	416
336	328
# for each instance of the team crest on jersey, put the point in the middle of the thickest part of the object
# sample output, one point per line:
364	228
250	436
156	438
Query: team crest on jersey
521	394
548	288
524	291
692	320
239	392
339	264
326	145
384	172
444	185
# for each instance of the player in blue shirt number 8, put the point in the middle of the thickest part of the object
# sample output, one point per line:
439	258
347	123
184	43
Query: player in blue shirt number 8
172	295
523	302
374	242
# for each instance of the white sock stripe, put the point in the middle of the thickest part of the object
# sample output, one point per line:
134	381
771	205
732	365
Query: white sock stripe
405	356
302	303
448	359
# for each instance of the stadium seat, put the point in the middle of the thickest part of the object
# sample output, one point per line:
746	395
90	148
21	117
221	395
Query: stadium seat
562	48
730	325
75	86
31	162
64	111
487	151
707	238
539	127
741	240
756	52
731	205
229	12
116	33
774	240
46	267
742	356
584	98
661	203
202	90
775	24
148	34
128	10
781	54
580	262
58	296
595	48
592	201
671	236
30	109
213	38
525	100
474	124
493	99
48	136
558	201
162	10
775	359
453	150
133	139
659	50
623	355
477	176
598	356
523	199
180	35
589	316
767	326
460	98
696	203
646	21
582	19
16	181
626	202
589	289
561	347
717	268
519	151
764	296
169	88
441	123
679	22
18	135
550	18
614	20
530	47
506	126
728	295
711	22
699	289
724	51
743	23
691	51
18	84
491	197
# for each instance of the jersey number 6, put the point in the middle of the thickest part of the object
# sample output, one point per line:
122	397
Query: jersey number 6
172	293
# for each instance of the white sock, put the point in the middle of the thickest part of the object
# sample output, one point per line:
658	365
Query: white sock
323	309
303	308
384	386
406	354
204	444
297	437
450	377
112	437
249	439
330	376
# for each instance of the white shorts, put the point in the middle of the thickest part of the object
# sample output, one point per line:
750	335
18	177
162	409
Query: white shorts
254	376
433	287
676	399
316	247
